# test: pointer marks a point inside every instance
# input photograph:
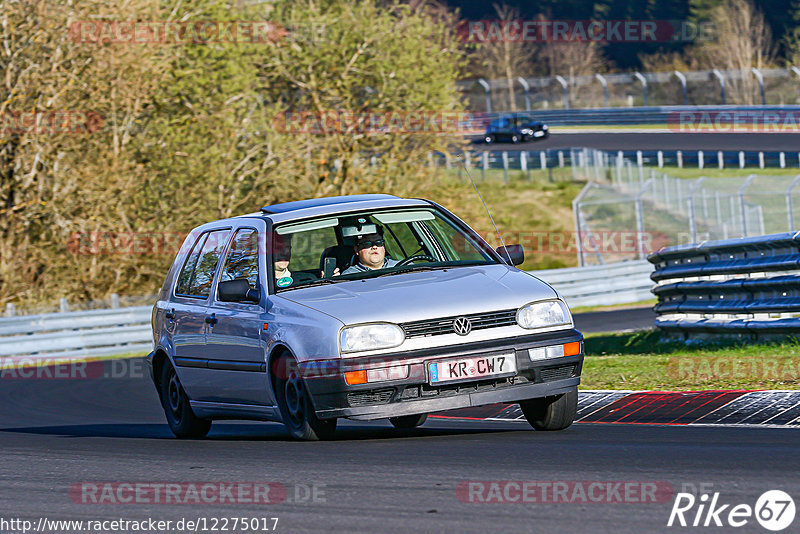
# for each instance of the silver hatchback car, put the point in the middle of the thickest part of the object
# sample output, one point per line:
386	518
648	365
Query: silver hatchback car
364	307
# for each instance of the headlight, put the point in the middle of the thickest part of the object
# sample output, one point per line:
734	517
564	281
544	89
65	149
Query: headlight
544	126
527	131
371	337
543	314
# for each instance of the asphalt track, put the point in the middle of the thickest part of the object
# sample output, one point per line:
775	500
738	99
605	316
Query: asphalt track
768	142
621	320
55	434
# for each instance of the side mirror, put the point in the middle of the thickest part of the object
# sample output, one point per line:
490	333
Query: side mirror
238	290
514	252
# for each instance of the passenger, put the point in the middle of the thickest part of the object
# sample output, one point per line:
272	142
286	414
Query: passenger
282	255
371	254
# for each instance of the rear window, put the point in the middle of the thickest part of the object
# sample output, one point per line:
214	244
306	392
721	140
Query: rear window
197	274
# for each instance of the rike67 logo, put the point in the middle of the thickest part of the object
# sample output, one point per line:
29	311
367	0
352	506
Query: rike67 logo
774	510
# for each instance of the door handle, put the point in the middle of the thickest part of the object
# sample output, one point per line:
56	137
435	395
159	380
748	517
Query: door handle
170	314
211	319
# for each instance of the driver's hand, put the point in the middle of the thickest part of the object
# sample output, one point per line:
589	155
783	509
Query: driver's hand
335	273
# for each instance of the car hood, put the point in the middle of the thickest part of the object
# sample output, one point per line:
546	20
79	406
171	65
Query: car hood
424	295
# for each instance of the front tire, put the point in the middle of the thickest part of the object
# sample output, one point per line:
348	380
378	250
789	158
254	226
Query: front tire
180	417
409	421
294	403
551	413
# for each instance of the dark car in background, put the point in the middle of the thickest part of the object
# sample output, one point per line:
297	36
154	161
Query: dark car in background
515	129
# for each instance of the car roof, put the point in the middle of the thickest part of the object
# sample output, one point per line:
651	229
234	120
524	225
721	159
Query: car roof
302	209
318	202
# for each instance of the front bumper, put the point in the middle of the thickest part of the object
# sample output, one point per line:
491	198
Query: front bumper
332	396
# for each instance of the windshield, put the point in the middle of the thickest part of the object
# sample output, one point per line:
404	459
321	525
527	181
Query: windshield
334	249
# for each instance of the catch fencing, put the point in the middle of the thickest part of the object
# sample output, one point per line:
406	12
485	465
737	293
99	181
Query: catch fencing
667	211
747	286
706	87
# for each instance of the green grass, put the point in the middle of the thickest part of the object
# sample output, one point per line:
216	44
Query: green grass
645	361
693	173
526	212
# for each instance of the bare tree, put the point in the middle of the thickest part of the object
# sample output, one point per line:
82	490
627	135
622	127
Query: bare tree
741	41
505	58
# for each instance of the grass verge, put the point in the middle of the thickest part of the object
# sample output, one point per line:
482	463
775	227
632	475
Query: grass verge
644	361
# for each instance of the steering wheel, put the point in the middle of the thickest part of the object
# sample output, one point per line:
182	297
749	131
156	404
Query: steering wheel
410	259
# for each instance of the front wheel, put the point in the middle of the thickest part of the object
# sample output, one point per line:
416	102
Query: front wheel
180	417
409	421
551	413
294	403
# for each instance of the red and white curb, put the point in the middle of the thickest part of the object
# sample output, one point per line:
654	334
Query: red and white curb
724	408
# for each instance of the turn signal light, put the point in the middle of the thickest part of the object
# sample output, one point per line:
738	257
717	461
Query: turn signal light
571	349
355	377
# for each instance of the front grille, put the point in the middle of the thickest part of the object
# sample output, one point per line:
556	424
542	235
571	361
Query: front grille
444	325
365	398
557	373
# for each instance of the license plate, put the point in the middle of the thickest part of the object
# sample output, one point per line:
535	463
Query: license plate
474	368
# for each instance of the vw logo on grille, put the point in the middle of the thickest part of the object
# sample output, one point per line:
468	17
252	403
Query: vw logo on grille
462	326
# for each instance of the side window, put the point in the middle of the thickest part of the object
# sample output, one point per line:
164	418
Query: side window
185	278
242	260
207	263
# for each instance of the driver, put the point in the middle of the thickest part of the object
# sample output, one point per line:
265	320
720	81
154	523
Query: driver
371	254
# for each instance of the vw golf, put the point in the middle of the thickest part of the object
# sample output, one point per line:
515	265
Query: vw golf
362	307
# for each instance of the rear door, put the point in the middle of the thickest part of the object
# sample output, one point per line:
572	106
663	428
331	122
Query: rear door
189	309
235	343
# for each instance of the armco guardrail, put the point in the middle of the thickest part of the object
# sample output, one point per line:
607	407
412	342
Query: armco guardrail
77	334
72	335
601	285
740	286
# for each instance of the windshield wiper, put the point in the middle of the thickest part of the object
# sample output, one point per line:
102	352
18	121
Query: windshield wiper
413	268
316	282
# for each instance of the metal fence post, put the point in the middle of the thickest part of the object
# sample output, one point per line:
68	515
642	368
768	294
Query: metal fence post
488	90
543	159
527	88
741	159
760	79
660	158
63	305
505	166
700	162
682	79
11	311
523	160
485	164
721	79
679	156
641	253
560	158
760	160
690	209
782	160
721	159
563	83
114	301
576	210
642	79
602	80
741	191
789	205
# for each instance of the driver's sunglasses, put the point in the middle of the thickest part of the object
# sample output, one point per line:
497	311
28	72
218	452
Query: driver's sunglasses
369	244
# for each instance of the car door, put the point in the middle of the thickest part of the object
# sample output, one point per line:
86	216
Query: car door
189	309
235	342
